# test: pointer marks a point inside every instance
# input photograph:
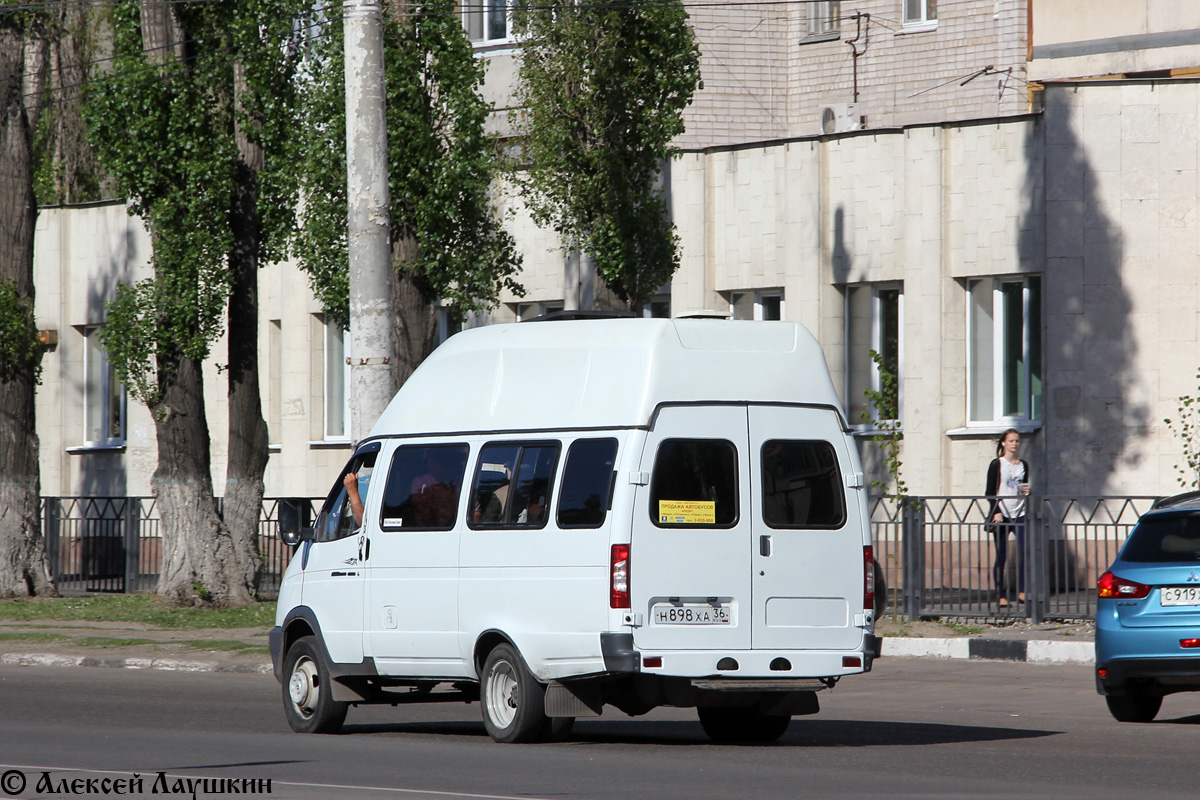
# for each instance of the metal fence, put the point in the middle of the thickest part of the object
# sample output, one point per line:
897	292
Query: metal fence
114	544
936	556
938	559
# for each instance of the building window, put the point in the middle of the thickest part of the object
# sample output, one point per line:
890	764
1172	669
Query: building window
103	394
920	12
337	382
756	305
533	310
658	307
824	17
487	21
874	314
275	381
1004	356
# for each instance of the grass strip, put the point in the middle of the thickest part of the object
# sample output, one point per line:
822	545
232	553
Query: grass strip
140	608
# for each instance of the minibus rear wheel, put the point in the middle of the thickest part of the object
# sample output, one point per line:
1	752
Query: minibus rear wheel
512	700
308	700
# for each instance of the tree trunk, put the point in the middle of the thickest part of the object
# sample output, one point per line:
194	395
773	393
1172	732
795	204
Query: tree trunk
415	323
248	437
24	569
202	564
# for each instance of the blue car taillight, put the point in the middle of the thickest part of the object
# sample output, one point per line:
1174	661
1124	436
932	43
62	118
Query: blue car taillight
1110	586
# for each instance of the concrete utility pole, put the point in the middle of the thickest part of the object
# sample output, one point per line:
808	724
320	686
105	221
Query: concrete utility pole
369	243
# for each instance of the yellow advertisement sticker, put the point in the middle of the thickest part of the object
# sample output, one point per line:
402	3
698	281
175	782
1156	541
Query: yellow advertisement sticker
687	512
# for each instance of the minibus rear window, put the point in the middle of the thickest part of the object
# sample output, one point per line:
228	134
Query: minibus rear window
694	484
587	483
423	486
801	485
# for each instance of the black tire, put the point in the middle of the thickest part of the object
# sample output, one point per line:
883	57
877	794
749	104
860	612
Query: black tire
512	700
1134	706
557	729
746	725
308	700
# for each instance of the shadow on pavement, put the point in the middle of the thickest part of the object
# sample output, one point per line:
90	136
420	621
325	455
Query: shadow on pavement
801	733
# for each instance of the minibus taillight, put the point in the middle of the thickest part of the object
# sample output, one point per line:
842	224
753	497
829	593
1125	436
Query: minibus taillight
618	587
868	578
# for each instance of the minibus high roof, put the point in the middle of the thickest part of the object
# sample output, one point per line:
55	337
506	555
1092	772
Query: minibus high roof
604	373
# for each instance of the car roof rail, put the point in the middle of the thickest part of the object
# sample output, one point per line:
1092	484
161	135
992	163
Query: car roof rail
1175	500
577	314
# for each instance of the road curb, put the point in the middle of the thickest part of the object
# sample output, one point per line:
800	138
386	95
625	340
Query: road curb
167	664
1039	651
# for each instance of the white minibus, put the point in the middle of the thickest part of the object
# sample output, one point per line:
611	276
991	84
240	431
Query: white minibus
558	517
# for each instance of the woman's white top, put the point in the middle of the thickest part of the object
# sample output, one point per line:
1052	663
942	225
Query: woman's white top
1012	474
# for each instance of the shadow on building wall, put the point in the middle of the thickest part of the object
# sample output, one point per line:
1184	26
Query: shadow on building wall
842	265
105	472
1091	416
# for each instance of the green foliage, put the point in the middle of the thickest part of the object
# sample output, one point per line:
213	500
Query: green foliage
604	88
20	350
164	127
440	167
883	416
1187	429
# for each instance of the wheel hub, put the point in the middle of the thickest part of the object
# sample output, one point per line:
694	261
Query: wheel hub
301	687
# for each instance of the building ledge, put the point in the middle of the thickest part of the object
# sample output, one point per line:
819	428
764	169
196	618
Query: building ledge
979	430
96	448
331	444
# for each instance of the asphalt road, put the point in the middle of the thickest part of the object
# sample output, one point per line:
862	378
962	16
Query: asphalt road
913	728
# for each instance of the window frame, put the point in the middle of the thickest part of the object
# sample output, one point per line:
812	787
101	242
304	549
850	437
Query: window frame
824	20
538	308
98	401
838	484
925	19
877	334
384	527
484	9
562	484
521	446
328	381
653	498
759	296
1031	364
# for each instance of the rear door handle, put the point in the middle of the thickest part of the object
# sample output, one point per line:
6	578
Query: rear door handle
764	545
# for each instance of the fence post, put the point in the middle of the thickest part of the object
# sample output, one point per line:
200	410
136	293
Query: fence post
133	545
51	513
1033	561
912	526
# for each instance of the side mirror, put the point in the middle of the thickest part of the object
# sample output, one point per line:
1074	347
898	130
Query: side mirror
293	538
295	520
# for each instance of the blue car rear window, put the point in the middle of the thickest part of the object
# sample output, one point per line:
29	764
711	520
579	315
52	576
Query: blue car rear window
1164	539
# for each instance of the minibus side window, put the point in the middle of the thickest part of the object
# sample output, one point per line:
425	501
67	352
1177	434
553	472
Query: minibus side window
423	487
694	484
802	486
588	477
512	485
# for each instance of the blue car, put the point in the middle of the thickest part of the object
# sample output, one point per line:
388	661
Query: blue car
1148	614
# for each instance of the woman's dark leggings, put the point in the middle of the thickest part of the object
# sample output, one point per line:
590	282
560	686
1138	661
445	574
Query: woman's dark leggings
1001	539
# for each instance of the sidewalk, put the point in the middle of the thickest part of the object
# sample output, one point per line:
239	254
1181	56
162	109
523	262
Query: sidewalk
1016	640
121	645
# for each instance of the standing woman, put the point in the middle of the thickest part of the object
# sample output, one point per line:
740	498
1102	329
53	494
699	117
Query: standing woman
1007	486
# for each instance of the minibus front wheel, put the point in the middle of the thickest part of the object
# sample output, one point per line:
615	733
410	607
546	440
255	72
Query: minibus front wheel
308	700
